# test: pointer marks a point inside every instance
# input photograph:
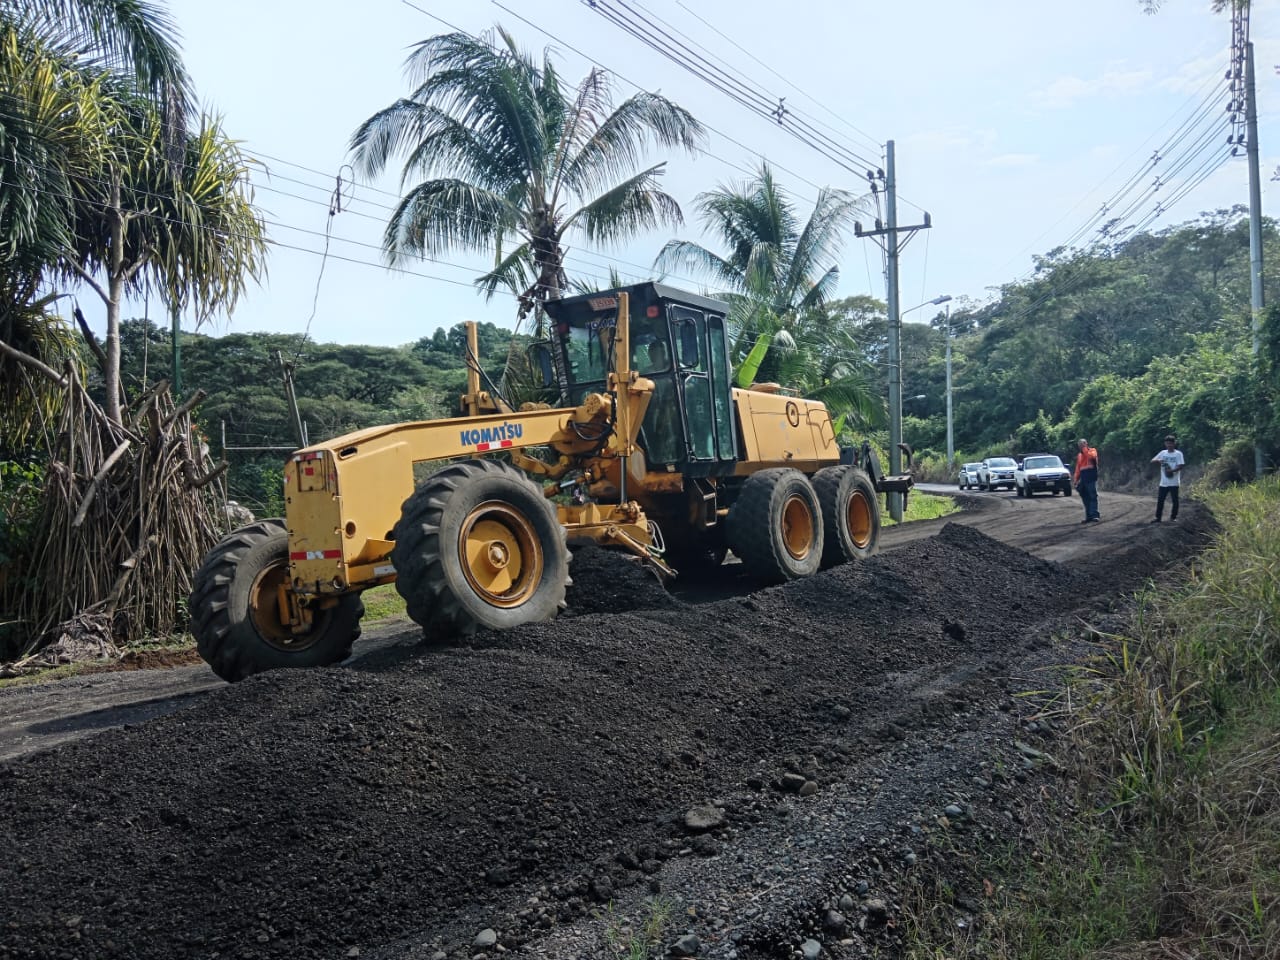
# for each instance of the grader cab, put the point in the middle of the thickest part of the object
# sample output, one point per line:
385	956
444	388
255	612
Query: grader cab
651	450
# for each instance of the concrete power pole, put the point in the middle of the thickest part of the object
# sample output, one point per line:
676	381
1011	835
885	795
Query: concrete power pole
893	249
951	445
1255	221
895	326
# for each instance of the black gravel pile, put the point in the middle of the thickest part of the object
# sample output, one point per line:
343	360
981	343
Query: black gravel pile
321	813
610	581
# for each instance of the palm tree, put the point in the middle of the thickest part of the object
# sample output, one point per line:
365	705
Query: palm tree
511	161
187	229
778	275
61	62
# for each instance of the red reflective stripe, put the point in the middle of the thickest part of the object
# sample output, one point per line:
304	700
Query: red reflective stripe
482	447
315	555
309	471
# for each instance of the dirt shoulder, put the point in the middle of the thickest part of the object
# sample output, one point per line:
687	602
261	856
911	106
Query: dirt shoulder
760	761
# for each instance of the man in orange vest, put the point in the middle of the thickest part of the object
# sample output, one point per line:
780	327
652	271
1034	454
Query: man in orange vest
1087	480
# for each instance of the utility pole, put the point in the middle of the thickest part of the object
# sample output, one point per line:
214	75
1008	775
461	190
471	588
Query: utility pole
889	229
1255	221
291	397
951	447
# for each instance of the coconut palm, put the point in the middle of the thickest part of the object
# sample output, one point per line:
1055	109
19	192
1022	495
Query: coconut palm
778	274
501	158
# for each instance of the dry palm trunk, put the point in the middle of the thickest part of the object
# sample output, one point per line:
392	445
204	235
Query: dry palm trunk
128	512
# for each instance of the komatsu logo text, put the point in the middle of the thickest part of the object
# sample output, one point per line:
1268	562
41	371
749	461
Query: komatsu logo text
503	433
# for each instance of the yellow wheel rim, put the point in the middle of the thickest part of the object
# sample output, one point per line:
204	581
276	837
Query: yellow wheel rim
500	553
797	527
858	516
269	614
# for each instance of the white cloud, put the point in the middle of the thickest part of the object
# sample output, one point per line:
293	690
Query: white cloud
1192	76
1014	160
1065	91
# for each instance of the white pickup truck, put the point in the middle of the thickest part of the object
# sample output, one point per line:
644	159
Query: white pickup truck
1042	471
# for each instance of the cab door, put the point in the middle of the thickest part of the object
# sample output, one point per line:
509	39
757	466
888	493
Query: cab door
702	378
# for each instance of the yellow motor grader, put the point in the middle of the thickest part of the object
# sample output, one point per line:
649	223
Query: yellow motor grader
651	450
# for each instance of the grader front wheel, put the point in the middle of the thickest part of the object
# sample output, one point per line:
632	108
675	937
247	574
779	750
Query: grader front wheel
240	609
478	545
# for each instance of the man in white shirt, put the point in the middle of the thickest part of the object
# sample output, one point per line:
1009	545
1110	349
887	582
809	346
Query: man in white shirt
1171	462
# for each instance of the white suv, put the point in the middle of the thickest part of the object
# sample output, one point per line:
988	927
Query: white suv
997	472
969	475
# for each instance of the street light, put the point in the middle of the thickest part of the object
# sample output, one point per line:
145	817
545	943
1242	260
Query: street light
895	396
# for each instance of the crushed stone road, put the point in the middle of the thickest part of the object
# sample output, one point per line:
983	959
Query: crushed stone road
754	773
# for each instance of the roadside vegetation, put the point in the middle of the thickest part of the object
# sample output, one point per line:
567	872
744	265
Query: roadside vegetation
1170	846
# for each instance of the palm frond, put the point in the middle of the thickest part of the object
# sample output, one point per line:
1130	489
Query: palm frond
515	272
633	205
689	257
131	37
618	142
439	216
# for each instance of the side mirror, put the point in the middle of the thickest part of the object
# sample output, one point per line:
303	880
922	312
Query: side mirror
544	371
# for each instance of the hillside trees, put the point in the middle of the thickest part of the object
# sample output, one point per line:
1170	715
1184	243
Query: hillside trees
340	388
1080	343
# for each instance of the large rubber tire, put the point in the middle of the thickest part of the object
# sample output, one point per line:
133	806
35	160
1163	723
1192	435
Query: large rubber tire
478	545
775	526
1066	491
234	615
850	514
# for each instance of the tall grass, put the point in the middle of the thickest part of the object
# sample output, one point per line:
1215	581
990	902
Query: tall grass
1170	846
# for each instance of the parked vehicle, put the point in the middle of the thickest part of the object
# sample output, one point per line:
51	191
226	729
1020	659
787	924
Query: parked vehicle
997	472
968	479
1042	471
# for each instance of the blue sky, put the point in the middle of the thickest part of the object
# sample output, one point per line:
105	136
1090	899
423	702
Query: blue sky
1014	121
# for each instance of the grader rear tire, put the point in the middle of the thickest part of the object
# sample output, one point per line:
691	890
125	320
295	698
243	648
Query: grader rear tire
235	609
850	516
775	526
478	545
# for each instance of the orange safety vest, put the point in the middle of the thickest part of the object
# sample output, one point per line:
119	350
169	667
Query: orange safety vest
1087	459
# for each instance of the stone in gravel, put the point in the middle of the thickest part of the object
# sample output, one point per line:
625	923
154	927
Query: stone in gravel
703	818
877	909
485	939
862	888
846	903
811	950
792	782
601	889
686	946
954	811
833	921
808	788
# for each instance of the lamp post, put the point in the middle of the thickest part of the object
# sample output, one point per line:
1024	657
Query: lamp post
895	402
